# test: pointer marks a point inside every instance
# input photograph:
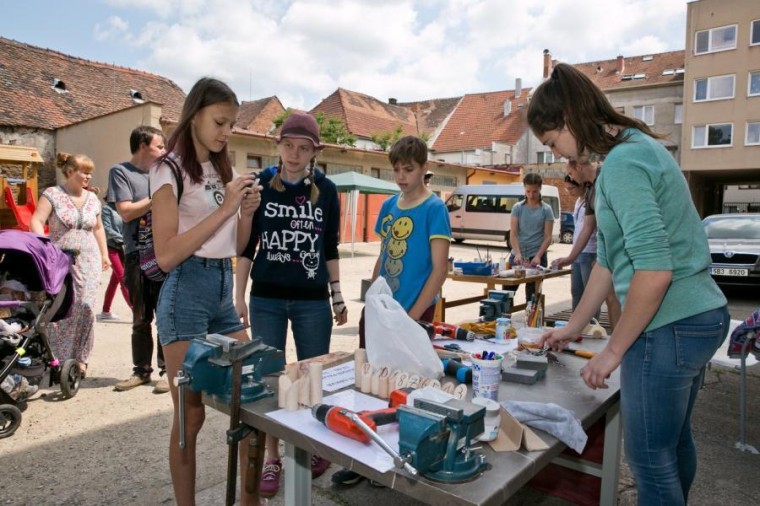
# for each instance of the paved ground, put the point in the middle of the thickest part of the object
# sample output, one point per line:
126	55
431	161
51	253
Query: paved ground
106	447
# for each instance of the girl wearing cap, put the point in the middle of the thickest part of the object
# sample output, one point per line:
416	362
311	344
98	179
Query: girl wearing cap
293	249
653	248
196	233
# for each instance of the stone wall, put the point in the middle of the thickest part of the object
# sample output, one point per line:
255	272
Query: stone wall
43	140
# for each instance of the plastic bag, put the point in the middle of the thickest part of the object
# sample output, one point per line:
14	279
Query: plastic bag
393	338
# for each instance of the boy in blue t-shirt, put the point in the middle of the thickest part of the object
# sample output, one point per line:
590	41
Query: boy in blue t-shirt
415	237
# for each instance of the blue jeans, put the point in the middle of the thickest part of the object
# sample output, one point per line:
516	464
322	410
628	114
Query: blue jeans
660	377
310	320
579	274
196	300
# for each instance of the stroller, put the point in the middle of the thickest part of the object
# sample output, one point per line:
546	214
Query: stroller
32	261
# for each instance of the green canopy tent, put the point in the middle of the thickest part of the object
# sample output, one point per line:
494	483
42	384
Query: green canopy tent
355	183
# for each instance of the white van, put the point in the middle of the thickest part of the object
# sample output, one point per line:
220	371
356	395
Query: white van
483	211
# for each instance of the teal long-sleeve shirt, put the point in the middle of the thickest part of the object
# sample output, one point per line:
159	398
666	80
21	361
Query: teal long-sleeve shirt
647	221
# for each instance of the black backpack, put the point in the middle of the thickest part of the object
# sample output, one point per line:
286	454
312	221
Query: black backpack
148	263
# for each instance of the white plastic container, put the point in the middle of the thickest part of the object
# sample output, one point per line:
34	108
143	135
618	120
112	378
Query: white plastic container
502	330
492	420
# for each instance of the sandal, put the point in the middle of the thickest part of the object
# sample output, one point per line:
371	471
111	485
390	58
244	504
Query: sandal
82	369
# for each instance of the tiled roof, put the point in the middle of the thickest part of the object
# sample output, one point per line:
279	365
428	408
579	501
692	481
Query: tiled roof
479	120
431	114
27	97
365	115
644	70
258	115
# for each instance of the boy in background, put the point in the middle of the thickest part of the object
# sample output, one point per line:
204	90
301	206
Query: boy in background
415	237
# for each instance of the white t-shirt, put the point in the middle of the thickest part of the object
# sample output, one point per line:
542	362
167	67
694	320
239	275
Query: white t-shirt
196	203
580	220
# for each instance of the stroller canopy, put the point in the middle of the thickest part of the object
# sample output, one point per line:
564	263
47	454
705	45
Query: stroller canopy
34	260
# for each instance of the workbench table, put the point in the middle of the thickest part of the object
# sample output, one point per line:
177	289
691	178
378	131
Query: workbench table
509	470
491	283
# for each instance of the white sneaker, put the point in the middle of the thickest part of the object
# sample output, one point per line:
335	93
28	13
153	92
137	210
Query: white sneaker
107	317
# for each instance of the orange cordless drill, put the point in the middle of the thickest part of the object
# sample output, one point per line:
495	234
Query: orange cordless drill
447	330
336	419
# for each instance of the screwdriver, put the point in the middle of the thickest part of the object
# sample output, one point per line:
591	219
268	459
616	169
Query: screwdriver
580	353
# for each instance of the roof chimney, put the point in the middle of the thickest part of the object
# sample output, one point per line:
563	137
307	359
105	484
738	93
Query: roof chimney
518	87
547	63
393	101
620	64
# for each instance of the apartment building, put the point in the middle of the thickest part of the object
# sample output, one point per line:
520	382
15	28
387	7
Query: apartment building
721	114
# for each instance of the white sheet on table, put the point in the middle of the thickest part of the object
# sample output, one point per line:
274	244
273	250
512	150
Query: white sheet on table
369	454
479	345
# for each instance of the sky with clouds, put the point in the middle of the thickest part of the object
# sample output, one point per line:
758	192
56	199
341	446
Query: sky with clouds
303	50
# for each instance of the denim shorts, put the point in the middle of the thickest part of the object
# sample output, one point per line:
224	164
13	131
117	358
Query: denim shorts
196	300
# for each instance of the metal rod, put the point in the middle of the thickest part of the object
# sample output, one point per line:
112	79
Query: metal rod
397	459
180	381
237	372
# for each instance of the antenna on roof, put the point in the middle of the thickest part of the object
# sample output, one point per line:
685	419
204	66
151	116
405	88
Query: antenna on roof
250	83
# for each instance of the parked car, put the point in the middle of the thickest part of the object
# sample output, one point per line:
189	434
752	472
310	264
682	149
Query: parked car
734	248
566	227
482	212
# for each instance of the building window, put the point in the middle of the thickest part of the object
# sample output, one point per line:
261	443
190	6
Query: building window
753	84
644	113
715	39
714	88
753	134
678	116
544	157
252	162
718	135
754	33
231	156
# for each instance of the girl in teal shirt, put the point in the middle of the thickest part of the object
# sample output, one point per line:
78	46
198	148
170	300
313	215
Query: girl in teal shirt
653	249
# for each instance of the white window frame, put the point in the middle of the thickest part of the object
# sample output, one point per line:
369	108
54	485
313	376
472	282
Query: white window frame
707	131
746	134
709	87
754	25
710	37
546	156
678	114
644	109
749	83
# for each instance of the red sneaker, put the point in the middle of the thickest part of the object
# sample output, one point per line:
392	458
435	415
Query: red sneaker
270	478
318	466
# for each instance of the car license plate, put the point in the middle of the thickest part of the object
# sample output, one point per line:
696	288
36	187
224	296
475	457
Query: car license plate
726	271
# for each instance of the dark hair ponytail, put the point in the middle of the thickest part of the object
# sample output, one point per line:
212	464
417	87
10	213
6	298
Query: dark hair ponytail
570	99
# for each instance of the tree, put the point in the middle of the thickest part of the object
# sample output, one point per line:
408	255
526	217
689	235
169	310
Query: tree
331	130
386	139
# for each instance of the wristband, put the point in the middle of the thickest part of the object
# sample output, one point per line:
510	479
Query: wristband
338	305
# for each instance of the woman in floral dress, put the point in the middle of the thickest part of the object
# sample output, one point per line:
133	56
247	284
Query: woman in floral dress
73	214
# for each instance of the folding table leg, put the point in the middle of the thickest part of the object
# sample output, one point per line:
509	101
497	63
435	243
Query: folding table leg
297	476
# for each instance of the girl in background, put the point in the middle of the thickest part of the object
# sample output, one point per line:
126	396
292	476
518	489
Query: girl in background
113	226
195	240
296	268
73	214
653	246
583	254
531	222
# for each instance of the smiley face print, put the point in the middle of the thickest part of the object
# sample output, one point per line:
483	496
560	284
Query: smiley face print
402	228
396	249
393	267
